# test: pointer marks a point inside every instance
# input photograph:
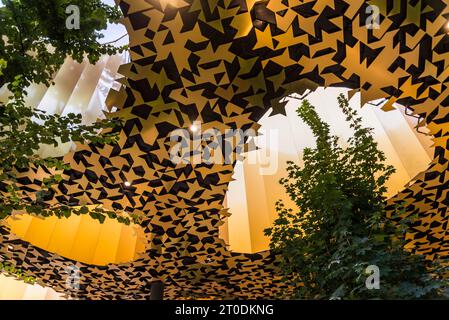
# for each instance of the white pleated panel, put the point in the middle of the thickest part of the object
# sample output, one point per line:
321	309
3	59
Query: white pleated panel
12	289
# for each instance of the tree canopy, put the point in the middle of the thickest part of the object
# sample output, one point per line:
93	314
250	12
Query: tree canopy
35	39
338	238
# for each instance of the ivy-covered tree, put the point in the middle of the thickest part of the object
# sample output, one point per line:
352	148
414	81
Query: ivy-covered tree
339	243
34	43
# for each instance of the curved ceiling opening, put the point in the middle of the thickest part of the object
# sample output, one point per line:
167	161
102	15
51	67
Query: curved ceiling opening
82	238
251	197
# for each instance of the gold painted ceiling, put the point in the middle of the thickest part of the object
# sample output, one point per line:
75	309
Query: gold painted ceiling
224	64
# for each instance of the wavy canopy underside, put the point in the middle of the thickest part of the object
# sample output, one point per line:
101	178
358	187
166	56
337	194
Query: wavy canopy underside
224	63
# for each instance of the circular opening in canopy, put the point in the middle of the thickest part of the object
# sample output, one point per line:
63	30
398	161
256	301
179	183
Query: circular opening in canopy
82	238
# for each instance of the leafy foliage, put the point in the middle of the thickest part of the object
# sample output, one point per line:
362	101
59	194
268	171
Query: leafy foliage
341	227
34	44
35	41
11	270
